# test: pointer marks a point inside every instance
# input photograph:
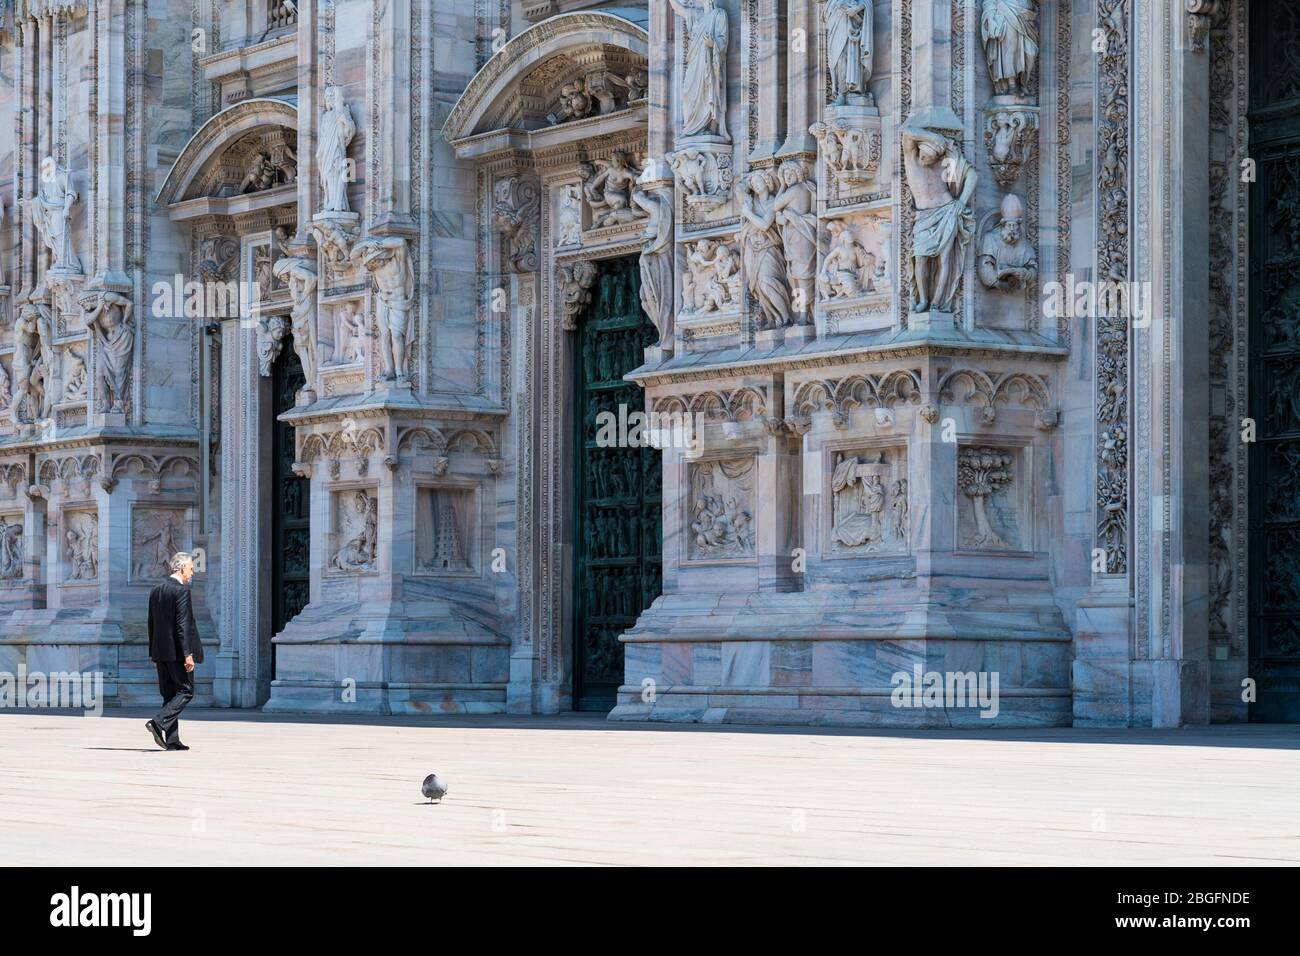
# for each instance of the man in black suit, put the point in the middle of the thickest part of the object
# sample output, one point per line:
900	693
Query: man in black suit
174	647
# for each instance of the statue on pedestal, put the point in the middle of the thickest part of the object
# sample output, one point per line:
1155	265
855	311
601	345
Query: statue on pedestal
942	182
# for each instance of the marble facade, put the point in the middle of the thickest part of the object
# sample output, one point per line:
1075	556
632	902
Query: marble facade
849	217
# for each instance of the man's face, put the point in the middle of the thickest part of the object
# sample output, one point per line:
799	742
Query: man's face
185	572
1011	231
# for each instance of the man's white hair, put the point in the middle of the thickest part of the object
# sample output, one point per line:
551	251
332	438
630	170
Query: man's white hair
179	560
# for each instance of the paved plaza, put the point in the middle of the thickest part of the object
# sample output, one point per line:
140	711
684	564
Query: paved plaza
257	789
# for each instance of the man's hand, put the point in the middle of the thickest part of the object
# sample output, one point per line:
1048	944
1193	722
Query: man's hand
189	663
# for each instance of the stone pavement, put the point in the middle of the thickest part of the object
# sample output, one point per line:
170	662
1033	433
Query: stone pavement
575	789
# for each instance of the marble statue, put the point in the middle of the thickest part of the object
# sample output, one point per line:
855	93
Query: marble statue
5	395
300	276
153	550
336	131
657	259
796	219
51	213
11	550
83	546
568	223
358	553
109	318
389	264
760	242
704	85
2	226
608	187
942	182
1006	261
1009	29
575	103
32	364
849	48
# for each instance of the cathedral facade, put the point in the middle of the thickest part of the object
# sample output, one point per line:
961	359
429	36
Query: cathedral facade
698	360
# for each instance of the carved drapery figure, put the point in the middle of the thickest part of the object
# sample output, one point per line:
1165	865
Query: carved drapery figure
859	494
760	241
2	226
848	268
711	282
849	48
721	511
608	187
83	546
1009	29
657	253
1006	260
50	210
349	335
704	84
514	215
74	375
796	219
4	389
358	553
336	131
574	287
389	263
943	186
11	550
852	153
156	540
568	223
109	318
33	362
300	276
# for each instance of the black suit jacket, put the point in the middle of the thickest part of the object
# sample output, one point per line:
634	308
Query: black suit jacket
173	635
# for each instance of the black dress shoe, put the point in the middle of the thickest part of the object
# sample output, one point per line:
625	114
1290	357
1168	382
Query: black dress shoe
158	737
177	746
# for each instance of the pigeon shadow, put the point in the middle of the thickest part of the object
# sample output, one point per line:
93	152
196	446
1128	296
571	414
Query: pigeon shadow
131	750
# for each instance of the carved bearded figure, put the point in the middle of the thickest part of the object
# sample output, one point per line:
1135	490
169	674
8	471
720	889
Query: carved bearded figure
849	45
1006	260
336	131
704	86
1009	29
300	276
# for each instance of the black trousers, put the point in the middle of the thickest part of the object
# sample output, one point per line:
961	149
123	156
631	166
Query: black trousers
176	685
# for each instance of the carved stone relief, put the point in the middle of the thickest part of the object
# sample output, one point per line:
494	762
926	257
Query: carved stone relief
987	517
573	286
607	187
1006	261
869	505
11	547
156	535
721	509
356	517
514	216
81	545
712	277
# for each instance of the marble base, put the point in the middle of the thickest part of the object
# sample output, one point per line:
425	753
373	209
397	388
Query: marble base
422	655
831	658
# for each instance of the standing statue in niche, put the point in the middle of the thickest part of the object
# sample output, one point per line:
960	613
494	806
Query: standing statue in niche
51	213
1009	29
942	182
760	241
849	47
389	263
796	218
336	131
704	86
32	364
108	316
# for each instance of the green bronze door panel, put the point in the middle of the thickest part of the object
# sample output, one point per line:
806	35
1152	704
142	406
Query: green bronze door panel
1274	335
618	507
290	516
